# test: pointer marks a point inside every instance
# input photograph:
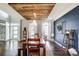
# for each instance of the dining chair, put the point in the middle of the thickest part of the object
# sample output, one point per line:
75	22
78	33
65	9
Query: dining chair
34	46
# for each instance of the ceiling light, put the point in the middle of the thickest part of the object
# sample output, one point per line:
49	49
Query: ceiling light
34	21
34	14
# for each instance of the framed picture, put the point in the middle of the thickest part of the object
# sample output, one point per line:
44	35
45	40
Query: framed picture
59	27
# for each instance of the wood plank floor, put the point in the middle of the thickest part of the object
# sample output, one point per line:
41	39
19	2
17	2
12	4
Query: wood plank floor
52	49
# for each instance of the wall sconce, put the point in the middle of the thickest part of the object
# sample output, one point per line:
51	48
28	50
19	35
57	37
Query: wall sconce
67	32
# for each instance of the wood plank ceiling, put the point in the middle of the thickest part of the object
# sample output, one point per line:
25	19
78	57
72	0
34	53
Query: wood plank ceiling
27	10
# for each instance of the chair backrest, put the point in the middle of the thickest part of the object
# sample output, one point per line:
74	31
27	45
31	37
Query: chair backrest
34	46
34	40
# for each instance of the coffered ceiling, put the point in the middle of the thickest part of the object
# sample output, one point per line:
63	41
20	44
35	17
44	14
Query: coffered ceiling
33	11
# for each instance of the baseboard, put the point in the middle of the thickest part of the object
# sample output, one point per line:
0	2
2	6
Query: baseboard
60	44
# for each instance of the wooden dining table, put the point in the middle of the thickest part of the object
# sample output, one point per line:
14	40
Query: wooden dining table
25	48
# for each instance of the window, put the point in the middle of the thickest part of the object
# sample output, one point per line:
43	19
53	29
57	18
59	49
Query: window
14	31
32	30
45	30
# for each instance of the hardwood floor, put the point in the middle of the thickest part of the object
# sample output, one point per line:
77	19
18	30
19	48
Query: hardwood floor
11	48
56	50
52	49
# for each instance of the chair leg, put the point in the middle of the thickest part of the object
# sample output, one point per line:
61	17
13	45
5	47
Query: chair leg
24	52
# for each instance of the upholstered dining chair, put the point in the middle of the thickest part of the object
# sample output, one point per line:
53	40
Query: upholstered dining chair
34	47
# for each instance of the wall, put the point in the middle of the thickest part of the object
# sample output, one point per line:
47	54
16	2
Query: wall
14	17
59	10
71	21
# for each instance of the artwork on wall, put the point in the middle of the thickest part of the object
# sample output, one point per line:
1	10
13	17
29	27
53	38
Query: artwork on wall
59	27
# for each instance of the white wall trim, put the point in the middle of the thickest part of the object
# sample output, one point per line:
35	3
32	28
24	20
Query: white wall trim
59	44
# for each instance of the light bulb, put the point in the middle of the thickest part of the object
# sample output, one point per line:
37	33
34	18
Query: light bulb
34	22
34	15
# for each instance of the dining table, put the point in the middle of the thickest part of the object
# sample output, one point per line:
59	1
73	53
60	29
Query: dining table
25	44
